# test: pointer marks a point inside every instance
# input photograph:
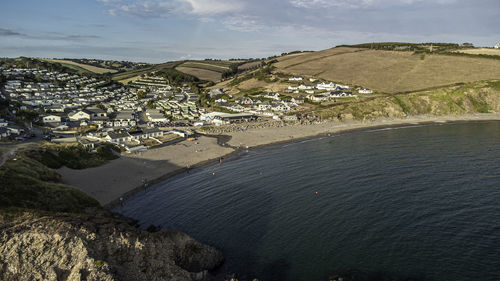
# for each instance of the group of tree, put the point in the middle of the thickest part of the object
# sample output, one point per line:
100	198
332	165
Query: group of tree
177	78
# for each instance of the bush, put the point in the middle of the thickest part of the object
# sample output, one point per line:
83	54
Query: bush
27	183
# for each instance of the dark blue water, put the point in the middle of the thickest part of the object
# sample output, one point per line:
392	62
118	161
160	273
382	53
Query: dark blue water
412	202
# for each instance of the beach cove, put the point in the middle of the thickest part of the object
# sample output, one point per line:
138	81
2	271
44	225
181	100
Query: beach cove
123	177
413	202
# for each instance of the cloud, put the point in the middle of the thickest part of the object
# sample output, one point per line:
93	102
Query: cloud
320	4
8	32
353	4
204	7
162	8
243	23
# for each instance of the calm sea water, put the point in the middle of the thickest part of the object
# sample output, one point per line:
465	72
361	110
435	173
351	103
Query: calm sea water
421	201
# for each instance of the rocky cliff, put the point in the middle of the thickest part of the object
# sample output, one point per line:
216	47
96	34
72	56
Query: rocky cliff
97	246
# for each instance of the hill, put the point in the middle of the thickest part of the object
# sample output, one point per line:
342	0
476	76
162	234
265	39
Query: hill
388	71
80	67
204	70
214	70
134	74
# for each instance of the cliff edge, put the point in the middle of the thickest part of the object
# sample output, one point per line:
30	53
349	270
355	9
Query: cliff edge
98	246
51	231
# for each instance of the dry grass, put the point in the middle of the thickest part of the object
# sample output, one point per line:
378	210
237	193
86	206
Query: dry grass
131	79
253	83
388	71
481	51
202	74
292	60
249	65
207	66
90	68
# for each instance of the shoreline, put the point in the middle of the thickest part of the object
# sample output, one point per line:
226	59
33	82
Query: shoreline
227	141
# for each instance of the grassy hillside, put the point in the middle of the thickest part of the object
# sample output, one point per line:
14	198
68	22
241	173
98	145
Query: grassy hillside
476	97
389	71
208	70
125	77
203	71
27	183
82	67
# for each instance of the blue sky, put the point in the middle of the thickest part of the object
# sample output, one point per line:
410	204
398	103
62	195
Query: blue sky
163	30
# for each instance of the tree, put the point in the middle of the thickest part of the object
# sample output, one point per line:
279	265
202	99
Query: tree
151	104
141	94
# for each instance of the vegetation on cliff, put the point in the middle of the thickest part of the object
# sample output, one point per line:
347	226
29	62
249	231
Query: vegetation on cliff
52	231
478	97
27	183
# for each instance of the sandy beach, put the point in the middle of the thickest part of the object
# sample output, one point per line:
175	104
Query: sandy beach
270	135
124	176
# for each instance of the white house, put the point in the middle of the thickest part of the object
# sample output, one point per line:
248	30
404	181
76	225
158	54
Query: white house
118	137
326	86
497	46
79	115
318	97
295	79
4	133
298	100
51	119
365	91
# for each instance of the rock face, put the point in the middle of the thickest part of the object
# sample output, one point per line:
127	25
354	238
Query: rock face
99	246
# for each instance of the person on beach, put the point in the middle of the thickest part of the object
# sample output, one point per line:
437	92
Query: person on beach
121	201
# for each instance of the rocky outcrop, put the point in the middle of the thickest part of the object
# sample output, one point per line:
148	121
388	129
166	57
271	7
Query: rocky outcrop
97	246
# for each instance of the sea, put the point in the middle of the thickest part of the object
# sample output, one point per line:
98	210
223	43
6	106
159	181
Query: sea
415	202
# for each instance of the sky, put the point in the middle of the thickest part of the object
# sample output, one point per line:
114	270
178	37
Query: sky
164	30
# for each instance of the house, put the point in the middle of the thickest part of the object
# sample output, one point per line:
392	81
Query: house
497	46
88	143
15	130
244	100
365	91
146	134
96	112
318	97
51	119
295	79
270	95
154	115
341	94
124	119
221	118
298	100
290	118
264	106
79	115
215	93
118	137
326	86
4	133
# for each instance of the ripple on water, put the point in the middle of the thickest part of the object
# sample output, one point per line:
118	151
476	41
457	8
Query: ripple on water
408	201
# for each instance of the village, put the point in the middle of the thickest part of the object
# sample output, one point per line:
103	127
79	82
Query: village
146	112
